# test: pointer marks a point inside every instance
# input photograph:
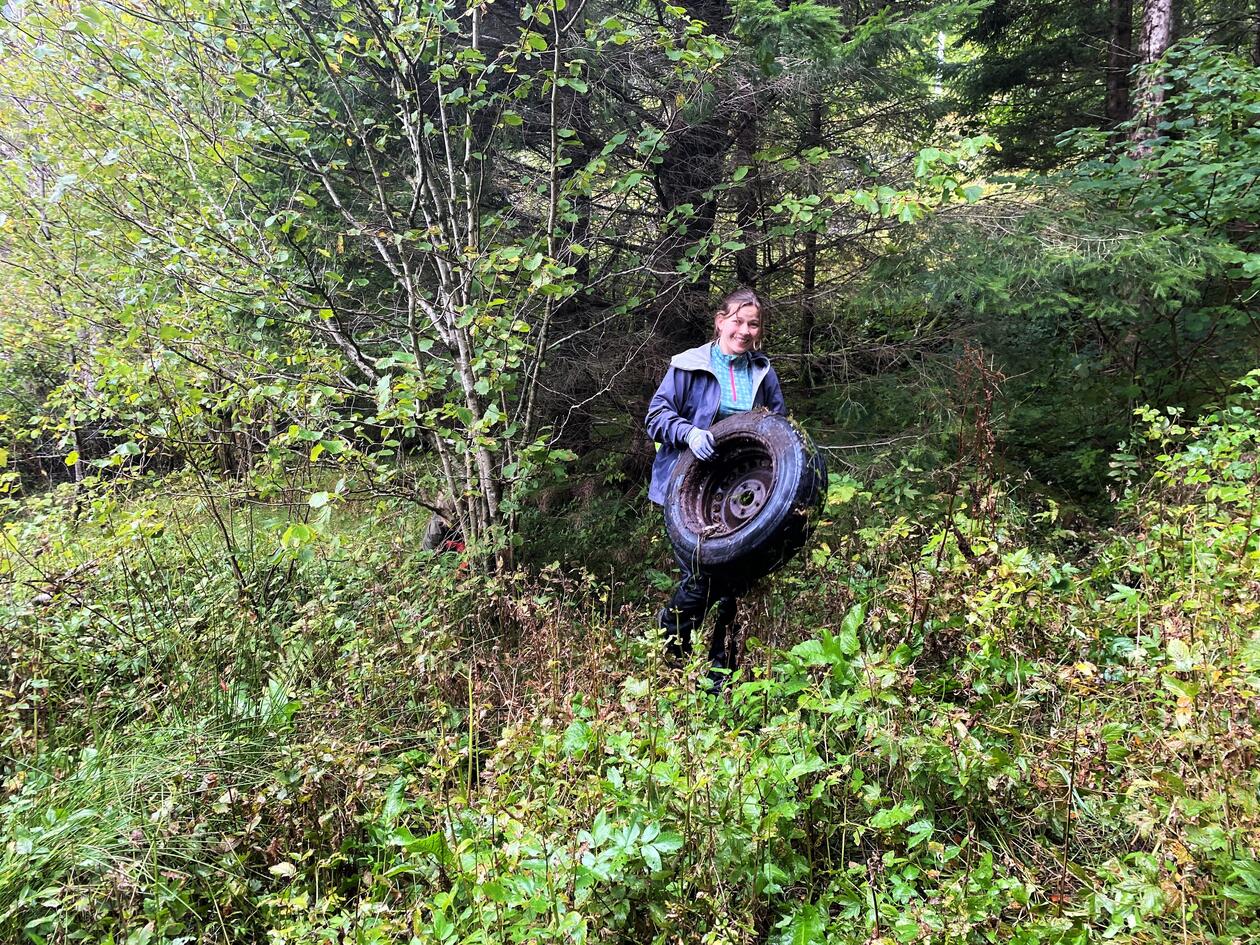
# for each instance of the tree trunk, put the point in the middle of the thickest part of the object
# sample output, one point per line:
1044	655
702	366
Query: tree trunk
1157	26
1255	34
747	209
809	276
1119	62
689	167
684	184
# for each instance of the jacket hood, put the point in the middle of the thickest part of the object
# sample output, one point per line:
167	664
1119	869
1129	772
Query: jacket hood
697	359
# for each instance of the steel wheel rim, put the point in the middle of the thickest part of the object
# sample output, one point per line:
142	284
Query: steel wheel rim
735	495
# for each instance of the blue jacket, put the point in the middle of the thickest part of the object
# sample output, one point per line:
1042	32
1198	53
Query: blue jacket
690	396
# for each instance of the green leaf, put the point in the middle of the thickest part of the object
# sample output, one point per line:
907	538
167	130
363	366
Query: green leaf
891	817
920	832
296	535
848	635
495	891
247	82
808	766
72	458
577	739
841	493
906	928
810	652
668	842
433	844
807	926
1179	653
1181	687
651	857
601	829
864	201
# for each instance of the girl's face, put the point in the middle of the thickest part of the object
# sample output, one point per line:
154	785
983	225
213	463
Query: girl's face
739	330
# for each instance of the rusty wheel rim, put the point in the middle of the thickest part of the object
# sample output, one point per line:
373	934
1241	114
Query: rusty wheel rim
735	495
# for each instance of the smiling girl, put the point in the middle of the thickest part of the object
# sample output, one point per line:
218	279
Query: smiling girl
702	386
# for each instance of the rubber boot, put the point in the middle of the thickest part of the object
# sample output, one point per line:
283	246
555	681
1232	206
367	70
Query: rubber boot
682	616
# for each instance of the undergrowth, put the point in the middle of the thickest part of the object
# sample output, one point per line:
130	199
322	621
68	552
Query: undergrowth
958	721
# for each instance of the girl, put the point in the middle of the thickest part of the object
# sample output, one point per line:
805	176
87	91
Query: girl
703	385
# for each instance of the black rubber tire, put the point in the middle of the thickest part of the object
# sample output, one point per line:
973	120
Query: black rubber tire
749	509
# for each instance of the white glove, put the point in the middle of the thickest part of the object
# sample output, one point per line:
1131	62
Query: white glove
701	443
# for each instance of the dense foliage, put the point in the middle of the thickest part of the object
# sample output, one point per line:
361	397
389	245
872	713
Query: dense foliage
976	734
293	283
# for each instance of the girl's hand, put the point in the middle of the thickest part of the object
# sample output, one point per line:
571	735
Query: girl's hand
701	443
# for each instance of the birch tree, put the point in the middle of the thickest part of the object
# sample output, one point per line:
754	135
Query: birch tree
385	205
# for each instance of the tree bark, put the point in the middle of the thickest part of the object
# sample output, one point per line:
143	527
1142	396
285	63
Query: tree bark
1157	27
809	275
1255	34
685	179
746	197
1119	62
689	167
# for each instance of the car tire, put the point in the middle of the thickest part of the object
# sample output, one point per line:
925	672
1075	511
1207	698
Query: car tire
750	508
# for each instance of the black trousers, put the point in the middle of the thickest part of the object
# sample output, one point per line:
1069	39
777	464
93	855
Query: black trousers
685	612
